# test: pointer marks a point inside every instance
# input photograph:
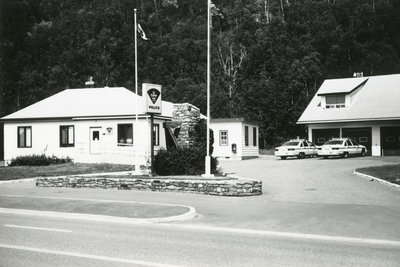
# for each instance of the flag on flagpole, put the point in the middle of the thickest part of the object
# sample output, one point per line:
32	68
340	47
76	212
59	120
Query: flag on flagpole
141	32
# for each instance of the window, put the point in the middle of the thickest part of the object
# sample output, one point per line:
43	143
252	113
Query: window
291	143
363	139
336	101
25	136
67	137
246	135
125	134
254	136
355	143
334	142
390	139
156	134
223	138
350	143
305	144
96	135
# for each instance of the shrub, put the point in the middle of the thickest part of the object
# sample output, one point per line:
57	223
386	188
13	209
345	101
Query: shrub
38	160
188	160
180	161
199	135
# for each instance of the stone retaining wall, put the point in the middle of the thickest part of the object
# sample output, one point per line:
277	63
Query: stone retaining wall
207	187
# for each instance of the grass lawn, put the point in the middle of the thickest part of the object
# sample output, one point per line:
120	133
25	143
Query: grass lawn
131	210
21	172
390	173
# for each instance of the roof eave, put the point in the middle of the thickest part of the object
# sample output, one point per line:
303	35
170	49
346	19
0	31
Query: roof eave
78	118
347	92
349	120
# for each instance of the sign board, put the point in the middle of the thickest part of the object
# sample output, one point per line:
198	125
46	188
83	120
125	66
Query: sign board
153	97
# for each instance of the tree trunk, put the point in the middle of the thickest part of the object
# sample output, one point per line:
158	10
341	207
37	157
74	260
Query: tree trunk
283	11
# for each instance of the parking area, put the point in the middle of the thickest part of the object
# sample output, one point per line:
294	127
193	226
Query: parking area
317	180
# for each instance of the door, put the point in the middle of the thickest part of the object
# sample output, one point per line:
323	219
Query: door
362	136
390	141
306	148
352	148
95	140
313	148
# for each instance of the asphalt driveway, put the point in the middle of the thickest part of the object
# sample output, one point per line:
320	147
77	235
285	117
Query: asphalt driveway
317	180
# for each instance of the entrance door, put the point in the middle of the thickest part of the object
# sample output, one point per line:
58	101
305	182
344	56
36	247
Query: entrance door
95	140
360	135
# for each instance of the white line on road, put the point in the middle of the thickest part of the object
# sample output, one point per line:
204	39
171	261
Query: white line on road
364	241
97	200
87	256
37	228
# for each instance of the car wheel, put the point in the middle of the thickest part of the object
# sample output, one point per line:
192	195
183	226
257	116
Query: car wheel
345	155
301	155
283	157
362	153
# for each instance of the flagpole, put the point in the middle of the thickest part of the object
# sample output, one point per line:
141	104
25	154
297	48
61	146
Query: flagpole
135	141
208	158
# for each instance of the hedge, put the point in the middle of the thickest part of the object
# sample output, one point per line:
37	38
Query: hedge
38	160
182	161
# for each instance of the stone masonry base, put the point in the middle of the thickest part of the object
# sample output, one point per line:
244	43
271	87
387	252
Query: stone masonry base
218	187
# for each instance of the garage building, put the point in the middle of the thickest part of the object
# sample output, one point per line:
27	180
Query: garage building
364	109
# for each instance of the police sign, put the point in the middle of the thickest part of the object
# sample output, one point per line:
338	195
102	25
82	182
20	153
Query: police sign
153	97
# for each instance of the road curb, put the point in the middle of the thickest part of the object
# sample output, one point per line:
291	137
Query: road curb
373	178
73	175
102	218
18	181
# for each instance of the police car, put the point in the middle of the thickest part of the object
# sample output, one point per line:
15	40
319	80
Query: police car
296	148
343	147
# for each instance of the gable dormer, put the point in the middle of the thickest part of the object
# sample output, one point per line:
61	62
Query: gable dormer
340	93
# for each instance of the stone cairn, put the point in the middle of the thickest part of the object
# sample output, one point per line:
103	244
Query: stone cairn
188	116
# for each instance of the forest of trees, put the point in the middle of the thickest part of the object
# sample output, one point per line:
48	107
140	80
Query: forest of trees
268	56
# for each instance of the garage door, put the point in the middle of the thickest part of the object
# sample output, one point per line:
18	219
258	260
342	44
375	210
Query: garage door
320	136
390	141
360	135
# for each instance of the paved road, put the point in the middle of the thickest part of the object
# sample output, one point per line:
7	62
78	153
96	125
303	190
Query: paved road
309	214
75	243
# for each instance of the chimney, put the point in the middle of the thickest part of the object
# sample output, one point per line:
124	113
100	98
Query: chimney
90	83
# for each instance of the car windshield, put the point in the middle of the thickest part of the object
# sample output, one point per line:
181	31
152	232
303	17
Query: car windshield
291	143
334	142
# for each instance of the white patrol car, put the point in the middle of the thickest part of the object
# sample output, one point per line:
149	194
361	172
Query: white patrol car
296	148
341	147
